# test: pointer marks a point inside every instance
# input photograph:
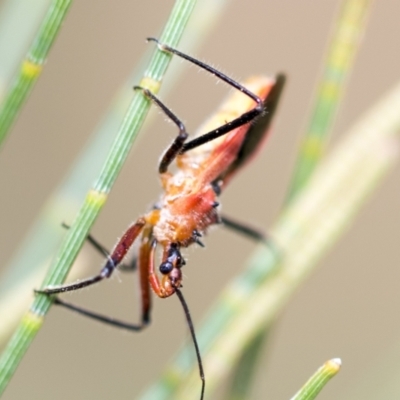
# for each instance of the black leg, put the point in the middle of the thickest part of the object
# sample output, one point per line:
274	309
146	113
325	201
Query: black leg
130	267
105	272
99	317
228	127
113	260
244	229
254	234
176	146
179	145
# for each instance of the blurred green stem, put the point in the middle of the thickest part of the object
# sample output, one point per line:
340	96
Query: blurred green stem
32	65
317	382
348	30
339	62
305	231
19	20
245	369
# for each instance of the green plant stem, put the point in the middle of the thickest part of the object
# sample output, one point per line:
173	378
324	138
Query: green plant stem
244	372
317	382
348	30
310	225
20	24
337	67
32	66
96	198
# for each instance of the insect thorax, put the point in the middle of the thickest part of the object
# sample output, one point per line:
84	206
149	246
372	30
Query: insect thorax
184	212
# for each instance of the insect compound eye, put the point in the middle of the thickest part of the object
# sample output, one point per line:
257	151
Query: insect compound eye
174	257
166	267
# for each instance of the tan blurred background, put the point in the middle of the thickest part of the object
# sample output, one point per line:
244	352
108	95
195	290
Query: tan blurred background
348	309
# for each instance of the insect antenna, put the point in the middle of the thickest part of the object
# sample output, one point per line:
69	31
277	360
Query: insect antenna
193	334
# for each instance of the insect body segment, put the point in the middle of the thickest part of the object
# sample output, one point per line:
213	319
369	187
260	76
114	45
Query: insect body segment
205	163
187	208
179	222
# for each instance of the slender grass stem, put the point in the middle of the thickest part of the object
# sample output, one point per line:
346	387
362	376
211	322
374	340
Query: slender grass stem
310	225
317	382
32	65
21	26
245	369
348	29
345	42
96	197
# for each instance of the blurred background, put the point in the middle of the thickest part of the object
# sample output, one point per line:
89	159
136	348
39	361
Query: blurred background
348	309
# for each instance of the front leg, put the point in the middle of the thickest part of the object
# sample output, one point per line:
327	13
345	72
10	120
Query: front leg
118	253
130	267
244	229
113	260
176	146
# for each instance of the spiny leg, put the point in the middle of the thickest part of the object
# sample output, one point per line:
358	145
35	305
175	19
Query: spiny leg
243	229
257	130
131	266
176	146
252	233
116	257
99	317
228	127
179	146
146	265
112	262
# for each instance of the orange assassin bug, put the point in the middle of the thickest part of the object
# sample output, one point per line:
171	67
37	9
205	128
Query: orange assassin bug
189	205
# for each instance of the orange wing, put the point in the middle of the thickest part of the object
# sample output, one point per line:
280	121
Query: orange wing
220	158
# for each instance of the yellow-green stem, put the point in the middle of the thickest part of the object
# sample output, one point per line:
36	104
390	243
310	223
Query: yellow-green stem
32	65
337	68
317	382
